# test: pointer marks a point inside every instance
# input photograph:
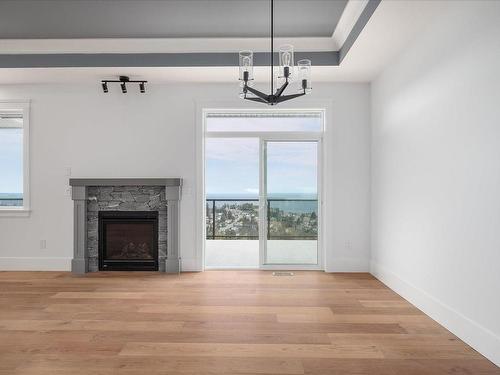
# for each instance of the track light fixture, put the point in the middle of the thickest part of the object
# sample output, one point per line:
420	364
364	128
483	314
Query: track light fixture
123	80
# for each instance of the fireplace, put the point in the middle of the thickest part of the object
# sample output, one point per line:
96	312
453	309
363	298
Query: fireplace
94	195
128	240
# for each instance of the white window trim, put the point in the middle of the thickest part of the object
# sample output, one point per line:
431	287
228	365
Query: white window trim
24	107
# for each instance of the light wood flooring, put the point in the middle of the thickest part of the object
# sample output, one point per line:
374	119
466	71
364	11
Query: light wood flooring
220	322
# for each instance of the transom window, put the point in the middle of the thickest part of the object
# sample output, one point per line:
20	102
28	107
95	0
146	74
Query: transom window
303	121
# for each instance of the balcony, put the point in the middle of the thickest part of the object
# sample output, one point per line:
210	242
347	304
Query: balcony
232	228
10	202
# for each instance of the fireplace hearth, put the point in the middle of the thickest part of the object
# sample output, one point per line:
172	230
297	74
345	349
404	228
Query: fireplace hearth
128	241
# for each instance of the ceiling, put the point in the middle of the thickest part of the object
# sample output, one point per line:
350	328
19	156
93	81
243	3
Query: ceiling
62	19
375	48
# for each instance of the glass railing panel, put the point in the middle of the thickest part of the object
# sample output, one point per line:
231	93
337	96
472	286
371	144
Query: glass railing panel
292	219
11	200
209	219
292	235
232	219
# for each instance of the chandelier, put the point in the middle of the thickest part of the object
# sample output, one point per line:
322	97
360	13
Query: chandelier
286	73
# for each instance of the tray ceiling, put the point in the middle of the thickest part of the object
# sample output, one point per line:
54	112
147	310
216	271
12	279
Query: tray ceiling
59	19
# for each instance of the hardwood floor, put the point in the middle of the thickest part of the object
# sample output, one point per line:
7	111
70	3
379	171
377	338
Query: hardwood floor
220	322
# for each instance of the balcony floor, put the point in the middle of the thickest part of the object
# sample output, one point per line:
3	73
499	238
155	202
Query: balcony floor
245	253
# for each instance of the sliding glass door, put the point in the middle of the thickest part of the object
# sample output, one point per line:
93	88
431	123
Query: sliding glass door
289	197
262	189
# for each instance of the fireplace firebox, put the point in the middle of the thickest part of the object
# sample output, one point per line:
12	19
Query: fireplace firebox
128	240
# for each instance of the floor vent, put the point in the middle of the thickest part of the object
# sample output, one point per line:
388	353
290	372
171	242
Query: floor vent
283	273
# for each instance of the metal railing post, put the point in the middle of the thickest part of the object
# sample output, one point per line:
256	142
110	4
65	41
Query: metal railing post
268	219
213	219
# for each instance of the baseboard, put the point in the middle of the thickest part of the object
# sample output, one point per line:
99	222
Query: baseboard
229	268
34	264
348	265
475	335
190	265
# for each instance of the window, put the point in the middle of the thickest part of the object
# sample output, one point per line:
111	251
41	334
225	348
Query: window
14	161
303	121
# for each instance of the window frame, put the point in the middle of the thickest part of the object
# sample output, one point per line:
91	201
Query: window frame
20	106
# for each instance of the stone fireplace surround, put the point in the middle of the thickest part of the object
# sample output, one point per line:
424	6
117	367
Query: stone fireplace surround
124	198
91	195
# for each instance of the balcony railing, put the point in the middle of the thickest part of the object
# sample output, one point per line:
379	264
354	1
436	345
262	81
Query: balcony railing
11	202
287	219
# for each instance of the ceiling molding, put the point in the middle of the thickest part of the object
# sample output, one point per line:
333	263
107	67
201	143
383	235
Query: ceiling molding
358	27
157	45
326	58
350	16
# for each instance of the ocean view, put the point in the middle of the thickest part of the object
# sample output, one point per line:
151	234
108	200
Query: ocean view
297	203
256	196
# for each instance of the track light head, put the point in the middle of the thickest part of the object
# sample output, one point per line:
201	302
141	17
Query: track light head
124	79
105	87
142	88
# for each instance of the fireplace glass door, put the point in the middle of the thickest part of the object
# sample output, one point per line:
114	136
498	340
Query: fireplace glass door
128	240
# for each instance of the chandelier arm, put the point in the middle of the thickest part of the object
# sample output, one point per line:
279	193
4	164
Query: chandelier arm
258	93
257	100
281	89
288	97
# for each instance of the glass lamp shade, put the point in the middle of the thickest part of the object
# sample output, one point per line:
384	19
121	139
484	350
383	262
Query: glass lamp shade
286	60
304	75
246	66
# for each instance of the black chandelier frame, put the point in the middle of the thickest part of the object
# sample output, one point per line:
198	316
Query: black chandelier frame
276	97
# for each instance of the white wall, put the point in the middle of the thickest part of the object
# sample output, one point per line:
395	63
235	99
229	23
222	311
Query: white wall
150	135
436	173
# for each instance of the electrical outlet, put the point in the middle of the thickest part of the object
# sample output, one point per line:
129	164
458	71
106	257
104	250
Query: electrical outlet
67	171
43	244
348	245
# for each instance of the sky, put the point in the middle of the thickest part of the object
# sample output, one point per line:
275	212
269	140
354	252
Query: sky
11	160
232	164
232	167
